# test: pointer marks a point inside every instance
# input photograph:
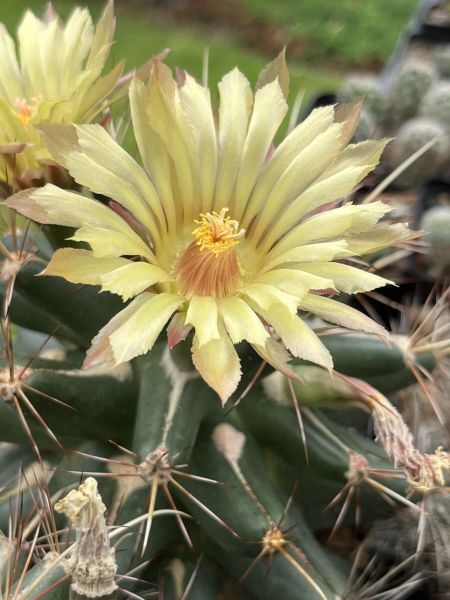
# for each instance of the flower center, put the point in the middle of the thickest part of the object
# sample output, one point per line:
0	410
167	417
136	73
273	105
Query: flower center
25	110
217	232
209	265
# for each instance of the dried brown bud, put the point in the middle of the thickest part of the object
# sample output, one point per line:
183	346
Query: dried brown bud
93	562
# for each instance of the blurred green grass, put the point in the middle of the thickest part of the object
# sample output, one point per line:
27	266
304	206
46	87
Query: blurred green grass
351	32
139	37
354	32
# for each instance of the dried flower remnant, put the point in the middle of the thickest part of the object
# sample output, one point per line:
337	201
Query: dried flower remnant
213	235
424	472
93	563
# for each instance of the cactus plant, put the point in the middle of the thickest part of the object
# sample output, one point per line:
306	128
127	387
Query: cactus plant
409	87
235	247
436	223
436	104
365	86
412	136
441	59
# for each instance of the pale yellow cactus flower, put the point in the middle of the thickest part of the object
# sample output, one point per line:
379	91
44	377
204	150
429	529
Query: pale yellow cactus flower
54	77
218	231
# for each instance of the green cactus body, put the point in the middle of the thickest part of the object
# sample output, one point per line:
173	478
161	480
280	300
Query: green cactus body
55	584
441	59
410	85
177	573
436	104
253	511
363	86
436	223
412	136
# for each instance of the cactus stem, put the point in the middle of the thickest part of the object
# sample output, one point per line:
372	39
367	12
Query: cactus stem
157	470
230	443
208	511
324	429
274	542
192	578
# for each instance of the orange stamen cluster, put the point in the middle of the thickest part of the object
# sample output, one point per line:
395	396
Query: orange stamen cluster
217	232
209	265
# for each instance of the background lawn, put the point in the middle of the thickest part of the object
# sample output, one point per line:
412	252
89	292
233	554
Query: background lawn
337	35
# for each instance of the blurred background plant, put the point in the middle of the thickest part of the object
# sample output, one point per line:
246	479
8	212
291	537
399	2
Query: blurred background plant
323	39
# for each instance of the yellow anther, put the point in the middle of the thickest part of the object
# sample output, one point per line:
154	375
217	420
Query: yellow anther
217	232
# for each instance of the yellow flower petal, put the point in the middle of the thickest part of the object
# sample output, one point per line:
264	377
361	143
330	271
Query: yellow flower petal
108	234
132	279
52	205
299	139
139	332
364	153
265	296
202	314
323	191
322	251
218	364
297	336
10	78
117	275
330	224
235	106
303	171
241	322
275	354
295	282
277	69
380	237
89	105
31	33
103	37
95	160
168	120
346	278
261	131
340	314
152	150
109	243
101	351
196	104
79	266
